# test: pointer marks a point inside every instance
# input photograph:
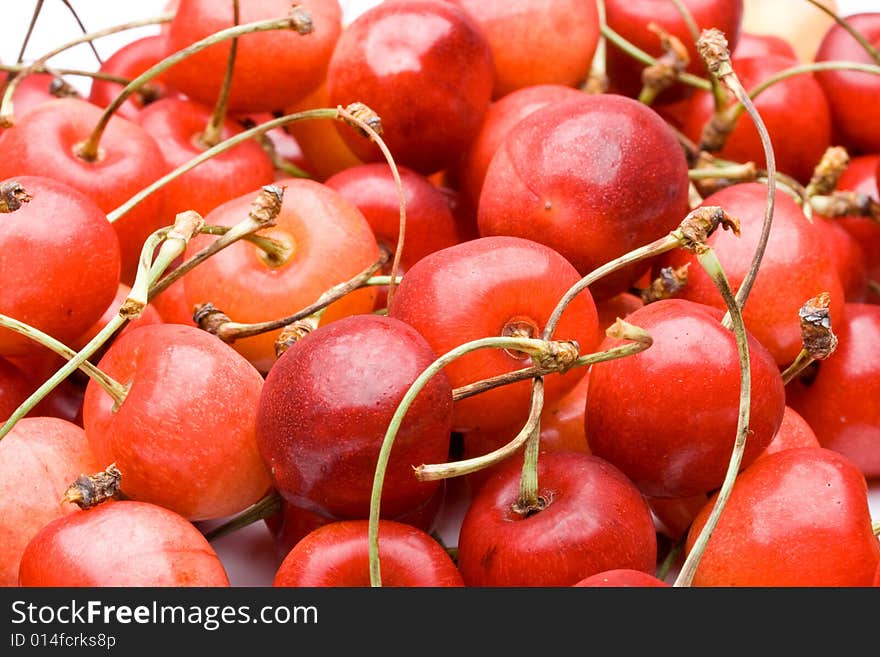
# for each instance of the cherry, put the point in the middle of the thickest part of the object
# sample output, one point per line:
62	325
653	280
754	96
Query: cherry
799	517
848	257
123	543
444	296
149	315
841	400
683	392
592	178
14	388
188	413
325	408
851	93
631	21
793	432
795	267
129	61
763	45
177	126
45	140
328	241
272	69
59	262
536	41
799	137
622	577
336	554
172	306
859	177
500	119
594	519
425	68
39	458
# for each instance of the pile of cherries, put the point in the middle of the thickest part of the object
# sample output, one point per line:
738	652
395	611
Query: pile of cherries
613	266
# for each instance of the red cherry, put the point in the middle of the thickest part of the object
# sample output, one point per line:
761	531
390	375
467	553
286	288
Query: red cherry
793	432
847	255
851	94
337	554
799	517
149	315
172	306
326	406
499	121
129	61
189	414
59	262
177	126
622	577
330	241
842	401
537	41
860	177
683	392
44	142
123	543
799	137
763	45
795	267
444	297
631	20
39	458
594	520
14	388
592	178
425	68
673	516
272	69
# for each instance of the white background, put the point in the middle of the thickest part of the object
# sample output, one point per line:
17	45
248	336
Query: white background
249	554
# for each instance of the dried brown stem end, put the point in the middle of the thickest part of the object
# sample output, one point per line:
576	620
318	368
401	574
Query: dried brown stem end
301	20
363	113
713	49
267	205
90	490
670	281
187	225
818	339
293	333
846	204
596	83
827	173
208	318
673	62
13	196
558	356
61	88
717	130
700	223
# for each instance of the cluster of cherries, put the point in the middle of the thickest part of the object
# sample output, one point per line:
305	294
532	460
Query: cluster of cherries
600	259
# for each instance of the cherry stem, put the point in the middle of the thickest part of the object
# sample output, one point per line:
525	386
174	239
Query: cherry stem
225	145
88	150
875	528
30	30
84	30
717	89
6	106
268	506
672	556
858	36
597	80
530	500
275	251
639	341
745	171
541	350
364	118
874	286
214	131
713	48
640	55
817	336
229	331
113	387
58	72
709	260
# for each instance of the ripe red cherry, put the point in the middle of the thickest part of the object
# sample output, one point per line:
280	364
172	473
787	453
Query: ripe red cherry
337	554
425	68
841	400
592	178
124	543
59	263
594	520
45	140
177	126
272	69
39	458
793	432
326	406
631	20
14	388
622	577
851	94
536	41
667	416
799	517
799	137
794	269
188	416
444	297
860	176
